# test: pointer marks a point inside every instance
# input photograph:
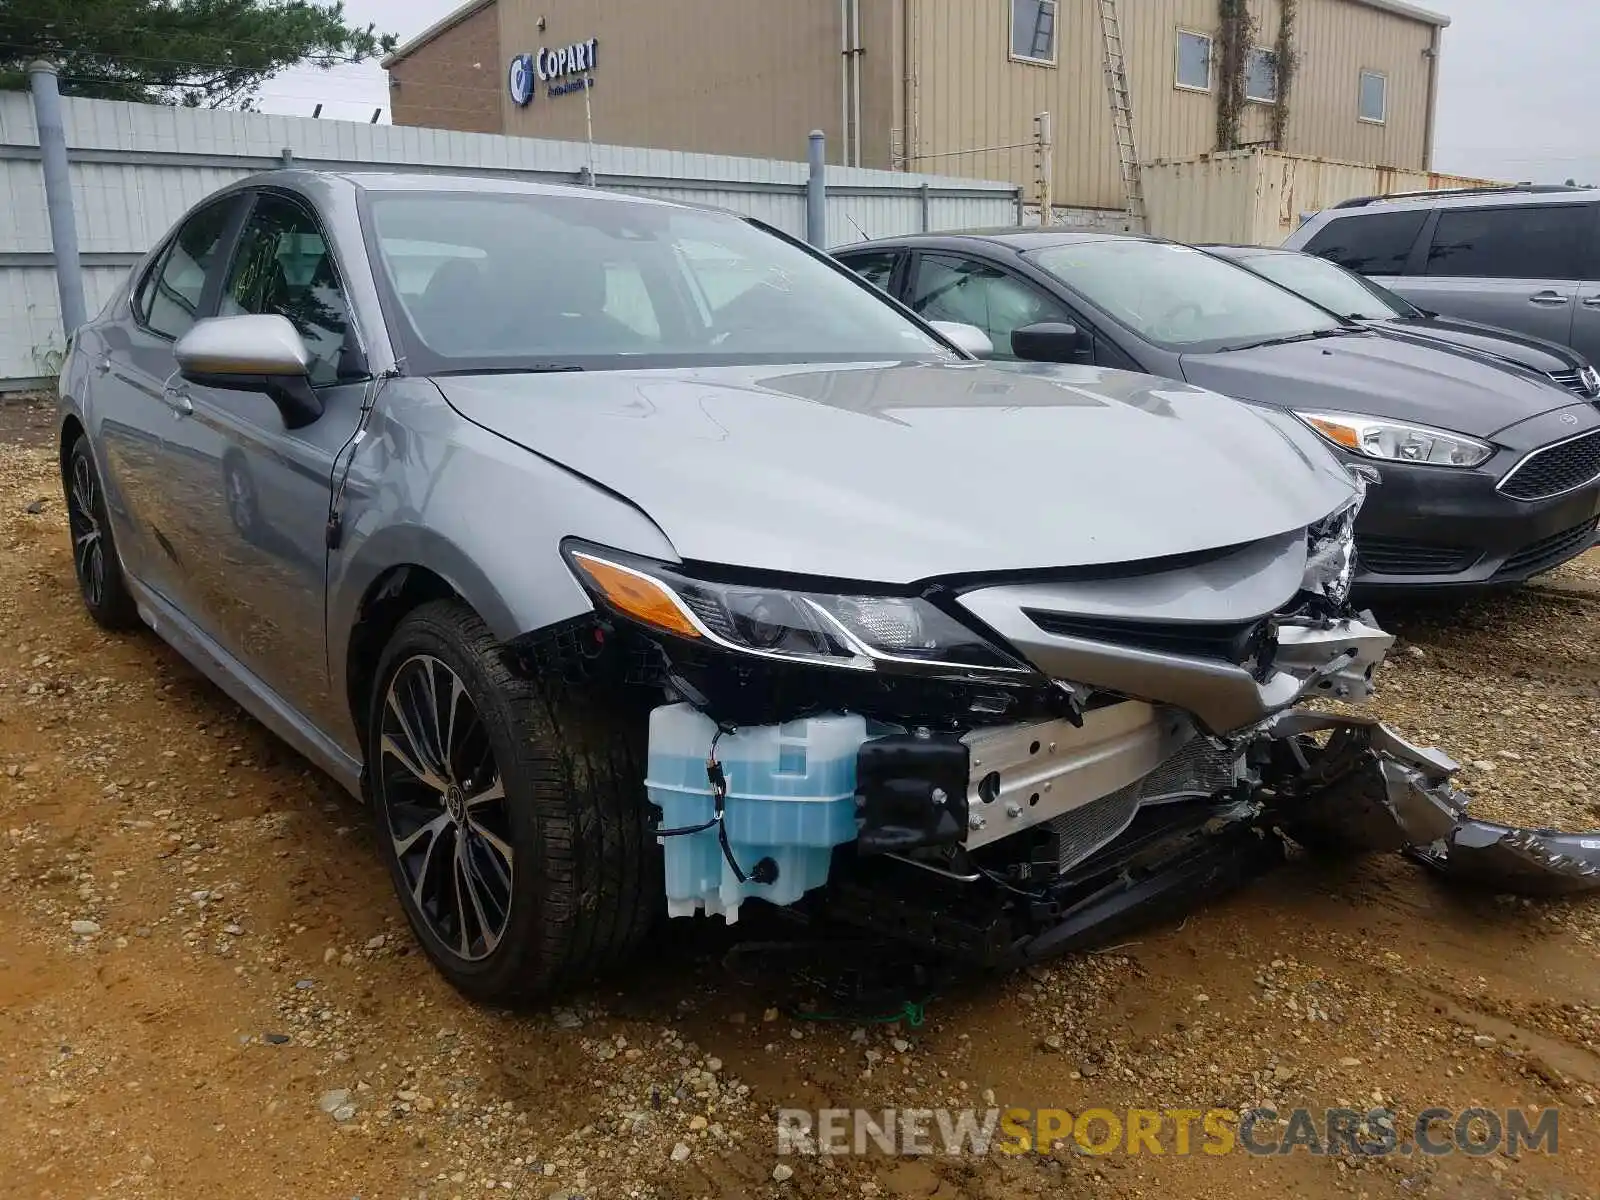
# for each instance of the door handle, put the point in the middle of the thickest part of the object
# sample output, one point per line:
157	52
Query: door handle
1591	301
1548	299
177	399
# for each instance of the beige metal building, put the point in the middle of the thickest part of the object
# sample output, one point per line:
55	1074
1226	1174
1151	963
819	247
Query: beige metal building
947	86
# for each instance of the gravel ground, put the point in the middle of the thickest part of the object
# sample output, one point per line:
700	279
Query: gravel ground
206	987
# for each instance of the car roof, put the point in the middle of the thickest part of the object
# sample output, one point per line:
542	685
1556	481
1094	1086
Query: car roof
1019	238
445	181
1477	197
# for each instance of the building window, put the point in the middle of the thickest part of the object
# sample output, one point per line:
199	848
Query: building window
1261	76
1194	61
1033	30
1374	97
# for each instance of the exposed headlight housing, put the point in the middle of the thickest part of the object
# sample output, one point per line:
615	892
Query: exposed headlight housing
1331	549
852	632
1397	441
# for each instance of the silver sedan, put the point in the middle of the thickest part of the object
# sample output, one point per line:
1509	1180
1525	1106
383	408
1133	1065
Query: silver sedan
629	558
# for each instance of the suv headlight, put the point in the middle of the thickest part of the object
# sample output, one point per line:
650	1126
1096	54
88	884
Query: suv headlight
853	632
1331	549
1396	441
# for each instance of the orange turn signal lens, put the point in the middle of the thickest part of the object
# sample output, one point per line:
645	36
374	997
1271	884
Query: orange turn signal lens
1336	432
637	595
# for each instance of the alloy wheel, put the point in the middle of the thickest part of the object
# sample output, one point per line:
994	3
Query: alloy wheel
88	547
445	807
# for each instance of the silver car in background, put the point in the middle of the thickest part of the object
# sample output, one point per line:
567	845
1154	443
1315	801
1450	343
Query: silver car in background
1523	257
630	558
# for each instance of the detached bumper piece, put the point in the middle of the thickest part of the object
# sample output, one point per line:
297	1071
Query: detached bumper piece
1368	789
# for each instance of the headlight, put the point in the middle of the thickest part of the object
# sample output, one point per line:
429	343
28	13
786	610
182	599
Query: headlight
1395	441
1331	550
854	632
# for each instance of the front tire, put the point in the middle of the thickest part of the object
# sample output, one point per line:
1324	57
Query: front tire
94	549
511	813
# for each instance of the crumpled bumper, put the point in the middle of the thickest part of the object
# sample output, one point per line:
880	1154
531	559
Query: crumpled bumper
1368	789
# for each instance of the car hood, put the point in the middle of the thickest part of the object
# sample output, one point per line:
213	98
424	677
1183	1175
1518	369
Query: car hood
1536	354
1402	378
904	472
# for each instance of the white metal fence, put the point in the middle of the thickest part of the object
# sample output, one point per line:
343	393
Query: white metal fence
137	167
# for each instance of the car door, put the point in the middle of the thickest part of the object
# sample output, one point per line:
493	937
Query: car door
132	411
254	542
1517	267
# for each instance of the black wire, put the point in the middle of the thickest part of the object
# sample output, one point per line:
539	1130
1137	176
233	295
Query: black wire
717	796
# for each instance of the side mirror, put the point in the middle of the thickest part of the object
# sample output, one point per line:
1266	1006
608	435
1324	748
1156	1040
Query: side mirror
1051	341
252	353
968	337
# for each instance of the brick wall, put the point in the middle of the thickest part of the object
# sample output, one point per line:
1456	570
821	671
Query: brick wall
455	80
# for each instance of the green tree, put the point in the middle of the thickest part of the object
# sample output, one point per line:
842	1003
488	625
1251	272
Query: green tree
200	53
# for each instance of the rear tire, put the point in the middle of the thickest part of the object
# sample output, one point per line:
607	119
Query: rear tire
94	549
511	813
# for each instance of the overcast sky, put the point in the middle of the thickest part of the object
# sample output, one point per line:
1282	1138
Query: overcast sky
1515	92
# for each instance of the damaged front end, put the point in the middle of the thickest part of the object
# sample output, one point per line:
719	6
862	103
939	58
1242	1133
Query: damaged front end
1003	770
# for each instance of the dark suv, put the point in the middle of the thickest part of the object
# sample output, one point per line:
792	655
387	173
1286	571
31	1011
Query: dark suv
1524	258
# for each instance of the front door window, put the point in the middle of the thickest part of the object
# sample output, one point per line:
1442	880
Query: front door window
949	288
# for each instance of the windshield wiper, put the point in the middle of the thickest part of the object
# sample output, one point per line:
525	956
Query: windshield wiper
1336	331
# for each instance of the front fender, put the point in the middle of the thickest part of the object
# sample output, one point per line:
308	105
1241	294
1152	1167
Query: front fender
427	488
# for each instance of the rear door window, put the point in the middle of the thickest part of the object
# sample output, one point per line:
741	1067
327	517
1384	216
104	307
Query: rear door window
1545	241
875	266
169	301
1371	243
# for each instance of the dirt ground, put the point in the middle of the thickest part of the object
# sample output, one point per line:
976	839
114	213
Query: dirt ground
206	987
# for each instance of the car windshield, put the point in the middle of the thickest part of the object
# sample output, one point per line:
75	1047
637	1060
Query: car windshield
1180	298
1329	285
520	281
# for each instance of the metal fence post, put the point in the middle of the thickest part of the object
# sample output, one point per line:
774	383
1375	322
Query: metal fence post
924	215
817	193
58	193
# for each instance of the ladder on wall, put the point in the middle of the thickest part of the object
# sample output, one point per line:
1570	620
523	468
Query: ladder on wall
1122	113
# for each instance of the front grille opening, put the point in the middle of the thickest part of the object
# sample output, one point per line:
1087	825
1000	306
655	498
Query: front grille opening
1555	469
1551	551
1246	643
1398	556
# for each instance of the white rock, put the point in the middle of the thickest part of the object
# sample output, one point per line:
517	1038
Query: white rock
85	928
333	1100
782	1173
680	1153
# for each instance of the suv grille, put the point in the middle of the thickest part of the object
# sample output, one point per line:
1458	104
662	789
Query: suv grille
1586	382
1396	556
1555	469
1551	551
